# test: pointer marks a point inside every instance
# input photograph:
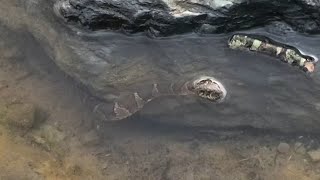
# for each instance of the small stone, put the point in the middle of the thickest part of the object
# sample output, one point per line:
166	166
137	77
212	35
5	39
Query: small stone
314	155
283	148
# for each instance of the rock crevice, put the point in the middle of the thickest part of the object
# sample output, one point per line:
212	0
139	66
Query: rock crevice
168	17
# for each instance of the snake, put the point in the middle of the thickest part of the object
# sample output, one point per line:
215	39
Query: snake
268	46
125	105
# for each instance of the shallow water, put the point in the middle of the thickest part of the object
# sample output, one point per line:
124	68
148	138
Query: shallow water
262	91
173	137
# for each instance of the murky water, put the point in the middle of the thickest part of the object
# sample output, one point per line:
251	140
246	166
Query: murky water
262	91
173	137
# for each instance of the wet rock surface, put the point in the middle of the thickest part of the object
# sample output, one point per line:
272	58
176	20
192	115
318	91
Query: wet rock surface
168	17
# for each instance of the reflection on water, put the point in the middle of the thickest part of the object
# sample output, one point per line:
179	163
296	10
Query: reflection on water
173	137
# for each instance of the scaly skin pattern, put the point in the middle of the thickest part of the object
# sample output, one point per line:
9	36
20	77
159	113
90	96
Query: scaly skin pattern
125	105
270	47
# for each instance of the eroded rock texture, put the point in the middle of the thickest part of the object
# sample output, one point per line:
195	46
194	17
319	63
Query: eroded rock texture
167	17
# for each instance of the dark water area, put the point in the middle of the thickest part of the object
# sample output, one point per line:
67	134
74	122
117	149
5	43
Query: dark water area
262	91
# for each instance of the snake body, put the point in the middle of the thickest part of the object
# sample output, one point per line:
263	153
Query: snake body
127	104
265	45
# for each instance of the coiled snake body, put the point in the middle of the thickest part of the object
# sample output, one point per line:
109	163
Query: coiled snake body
125	105
270	47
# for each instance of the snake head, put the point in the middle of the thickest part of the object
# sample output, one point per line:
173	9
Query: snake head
208	87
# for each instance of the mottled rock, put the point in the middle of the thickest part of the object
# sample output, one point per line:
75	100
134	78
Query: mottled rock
314	155
283	148
167	17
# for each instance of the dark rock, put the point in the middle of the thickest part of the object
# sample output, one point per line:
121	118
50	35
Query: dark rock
167	17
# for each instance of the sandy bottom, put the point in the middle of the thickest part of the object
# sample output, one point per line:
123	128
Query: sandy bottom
58	137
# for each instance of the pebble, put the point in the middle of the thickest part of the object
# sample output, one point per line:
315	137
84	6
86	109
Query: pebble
283	148
314	155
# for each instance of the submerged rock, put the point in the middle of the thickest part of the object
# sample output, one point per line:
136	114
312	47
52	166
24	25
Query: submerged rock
167	17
